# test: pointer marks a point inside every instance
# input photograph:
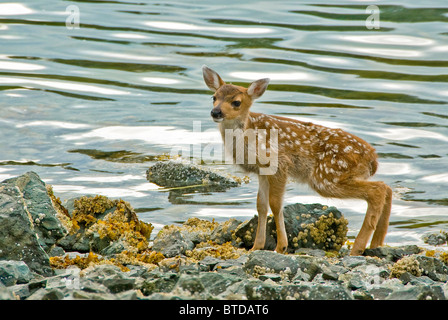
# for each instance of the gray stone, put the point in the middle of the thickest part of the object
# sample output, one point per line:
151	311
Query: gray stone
309	265
191	284
171	243
272	262
329	274
118	283
392	253
259	290
419	292
352	262
47	294
19	290
19	240
209	263
224	231
38	203
159	282
270	276
12	272
56	252
217	283
435	238
433	268
311	291
311	252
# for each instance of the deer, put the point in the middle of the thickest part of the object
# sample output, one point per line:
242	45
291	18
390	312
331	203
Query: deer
333	162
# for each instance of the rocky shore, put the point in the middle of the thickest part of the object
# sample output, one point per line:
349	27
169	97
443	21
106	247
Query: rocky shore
96	248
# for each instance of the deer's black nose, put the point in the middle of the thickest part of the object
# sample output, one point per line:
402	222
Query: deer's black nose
216	113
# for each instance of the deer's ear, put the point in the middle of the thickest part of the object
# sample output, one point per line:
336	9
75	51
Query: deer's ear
257	88
212	78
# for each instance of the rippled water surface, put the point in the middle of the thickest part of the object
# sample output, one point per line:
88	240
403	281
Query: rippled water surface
91	108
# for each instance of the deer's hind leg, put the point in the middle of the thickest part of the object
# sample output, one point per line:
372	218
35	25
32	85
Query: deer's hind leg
378	196
383	222
376	193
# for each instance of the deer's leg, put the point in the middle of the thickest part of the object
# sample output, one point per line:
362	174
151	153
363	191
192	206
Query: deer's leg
277	184
378	196
375	193
383	222
262	208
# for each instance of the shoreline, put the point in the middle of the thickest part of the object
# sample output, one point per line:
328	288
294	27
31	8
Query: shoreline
96	248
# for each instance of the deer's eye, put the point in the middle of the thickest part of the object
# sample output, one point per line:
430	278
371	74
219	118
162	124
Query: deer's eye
214	98
236	104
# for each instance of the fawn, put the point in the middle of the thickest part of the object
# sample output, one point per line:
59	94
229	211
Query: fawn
331	161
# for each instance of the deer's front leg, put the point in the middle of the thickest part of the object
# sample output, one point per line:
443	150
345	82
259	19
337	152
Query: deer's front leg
277	186
262	208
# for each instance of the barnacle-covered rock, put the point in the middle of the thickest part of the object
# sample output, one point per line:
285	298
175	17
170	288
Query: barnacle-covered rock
181	174
406	264
307	226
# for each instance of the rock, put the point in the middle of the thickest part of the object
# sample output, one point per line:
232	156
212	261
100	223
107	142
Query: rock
180	174
329	274
111	277
434	292
269	261
311	252
99	223
353	261
204	260
310	266
118	283
175	240
217	283
47	294
225	231
12	272
18	236
6	294
260	290
307	226
56	252
171	243
435	238
191	284
308	291
38	203
406	264
433	268
159	282
391	253
270	276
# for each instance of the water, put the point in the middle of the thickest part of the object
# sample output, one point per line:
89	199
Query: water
91	108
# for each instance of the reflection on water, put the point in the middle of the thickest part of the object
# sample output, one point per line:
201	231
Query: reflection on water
90	109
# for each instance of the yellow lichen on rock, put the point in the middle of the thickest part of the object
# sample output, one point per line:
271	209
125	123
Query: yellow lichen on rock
89	213
123	224
83	262
196	224
222	251
61	212
147	258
